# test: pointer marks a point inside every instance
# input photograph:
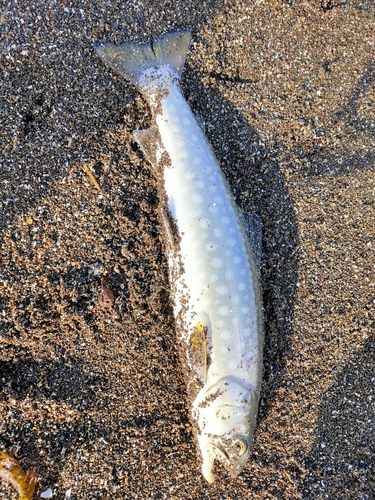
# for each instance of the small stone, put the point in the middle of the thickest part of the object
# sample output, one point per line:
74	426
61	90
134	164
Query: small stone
47	493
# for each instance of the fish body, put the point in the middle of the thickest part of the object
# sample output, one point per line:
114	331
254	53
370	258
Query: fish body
214	274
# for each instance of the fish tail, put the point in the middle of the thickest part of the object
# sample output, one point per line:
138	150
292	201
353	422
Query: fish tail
132	60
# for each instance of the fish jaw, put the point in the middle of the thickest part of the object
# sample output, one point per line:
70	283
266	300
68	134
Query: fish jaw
208	459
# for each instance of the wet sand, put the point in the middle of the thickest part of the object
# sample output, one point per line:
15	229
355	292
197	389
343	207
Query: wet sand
93	399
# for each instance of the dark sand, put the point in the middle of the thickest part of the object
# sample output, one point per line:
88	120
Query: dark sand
94	399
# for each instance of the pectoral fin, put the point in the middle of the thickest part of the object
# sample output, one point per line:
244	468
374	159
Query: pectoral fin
198	348
150	142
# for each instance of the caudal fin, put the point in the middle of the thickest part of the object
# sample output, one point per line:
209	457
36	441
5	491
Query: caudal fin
131	60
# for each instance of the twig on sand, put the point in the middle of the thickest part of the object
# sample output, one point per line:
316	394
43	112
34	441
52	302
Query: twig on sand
89	173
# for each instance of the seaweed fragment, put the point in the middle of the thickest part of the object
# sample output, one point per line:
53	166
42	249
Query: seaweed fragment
11	472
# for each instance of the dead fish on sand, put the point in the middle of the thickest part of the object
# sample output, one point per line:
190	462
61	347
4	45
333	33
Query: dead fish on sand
214	269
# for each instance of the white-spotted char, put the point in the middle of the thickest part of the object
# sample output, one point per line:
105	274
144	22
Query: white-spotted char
217	293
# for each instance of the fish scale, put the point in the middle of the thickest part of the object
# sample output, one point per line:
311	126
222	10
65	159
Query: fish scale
217	293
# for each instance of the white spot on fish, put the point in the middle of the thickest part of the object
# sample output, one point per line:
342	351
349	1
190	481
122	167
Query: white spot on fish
217	262
223	310
237	259
225	334
221	289
232	364
197	198
213	209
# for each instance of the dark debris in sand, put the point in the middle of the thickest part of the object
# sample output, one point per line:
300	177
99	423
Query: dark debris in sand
93	399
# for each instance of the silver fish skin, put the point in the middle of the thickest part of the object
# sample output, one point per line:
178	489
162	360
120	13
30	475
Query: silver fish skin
217	295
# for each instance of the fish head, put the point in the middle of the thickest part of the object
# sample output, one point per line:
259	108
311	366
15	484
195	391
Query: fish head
226	427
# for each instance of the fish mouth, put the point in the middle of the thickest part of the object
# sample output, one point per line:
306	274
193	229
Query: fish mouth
214	450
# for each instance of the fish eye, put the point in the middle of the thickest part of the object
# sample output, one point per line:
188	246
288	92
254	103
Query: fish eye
239	446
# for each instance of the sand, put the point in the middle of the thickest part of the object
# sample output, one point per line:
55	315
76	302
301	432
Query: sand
93	399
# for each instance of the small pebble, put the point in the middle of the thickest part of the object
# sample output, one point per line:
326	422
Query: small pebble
47	493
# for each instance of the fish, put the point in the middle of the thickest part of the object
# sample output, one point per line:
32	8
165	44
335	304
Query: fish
213	261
